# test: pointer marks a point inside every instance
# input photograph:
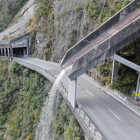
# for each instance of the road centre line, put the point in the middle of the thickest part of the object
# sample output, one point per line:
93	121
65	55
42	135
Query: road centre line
114	114
115	98
89	93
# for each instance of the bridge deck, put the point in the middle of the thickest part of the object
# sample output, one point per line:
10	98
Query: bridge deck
108	34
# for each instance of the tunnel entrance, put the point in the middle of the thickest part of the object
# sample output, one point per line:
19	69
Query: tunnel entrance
20	51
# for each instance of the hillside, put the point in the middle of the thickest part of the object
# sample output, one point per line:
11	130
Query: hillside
8	9
56	26
23	93
18	23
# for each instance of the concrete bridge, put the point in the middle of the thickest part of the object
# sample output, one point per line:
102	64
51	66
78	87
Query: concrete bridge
116	33
100	113
92	105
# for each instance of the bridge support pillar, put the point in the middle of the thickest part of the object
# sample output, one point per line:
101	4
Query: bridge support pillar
27	51
138	87
8	52
114	71
72	88
4	51
11	52
28	47
24	51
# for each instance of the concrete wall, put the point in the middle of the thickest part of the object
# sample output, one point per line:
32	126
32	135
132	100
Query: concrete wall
99	31
17	39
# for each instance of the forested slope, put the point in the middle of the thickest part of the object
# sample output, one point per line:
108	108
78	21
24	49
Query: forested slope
22	96
8	9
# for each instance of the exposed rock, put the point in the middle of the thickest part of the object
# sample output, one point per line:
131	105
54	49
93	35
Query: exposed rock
41	38
71	24
24	16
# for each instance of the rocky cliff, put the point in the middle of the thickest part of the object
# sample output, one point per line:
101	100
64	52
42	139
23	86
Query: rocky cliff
20	22
65	23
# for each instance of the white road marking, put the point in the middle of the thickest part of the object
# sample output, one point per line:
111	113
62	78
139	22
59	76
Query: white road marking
91	82
89	93
114	97
114	114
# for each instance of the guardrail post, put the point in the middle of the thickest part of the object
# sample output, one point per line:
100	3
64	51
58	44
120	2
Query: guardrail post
84	115
89	123
79	109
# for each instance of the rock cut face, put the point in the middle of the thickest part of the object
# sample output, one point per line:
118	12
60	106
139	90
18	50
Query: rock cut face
20	25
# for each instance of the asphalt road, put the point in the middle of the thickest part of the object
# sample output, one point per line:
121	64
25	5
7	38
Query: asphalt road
114	120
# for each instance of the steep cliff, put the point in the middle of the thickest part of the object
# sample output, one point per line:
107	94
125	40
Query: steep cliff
20	22
64	23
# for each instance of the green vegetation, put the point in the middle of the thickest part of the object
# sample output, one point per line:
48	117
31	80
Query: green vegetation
8	9
72	38
67	127
46	10
22	93
127	77
47	50
126	81
100	12
33	37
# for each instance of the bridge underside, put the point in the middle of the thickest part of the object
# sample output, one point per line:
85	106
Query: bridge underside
113	40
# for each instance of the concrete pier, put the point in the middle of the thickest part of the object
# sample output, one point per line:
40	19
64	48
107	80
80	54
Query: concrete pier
114	71
72	88
138	87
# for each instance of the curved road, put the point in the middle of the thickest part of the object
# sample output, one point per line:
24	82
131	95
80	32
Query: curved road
114	120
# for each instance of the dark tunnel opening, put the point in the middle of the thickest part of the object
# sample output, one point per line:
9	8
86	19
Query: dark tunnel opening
20	51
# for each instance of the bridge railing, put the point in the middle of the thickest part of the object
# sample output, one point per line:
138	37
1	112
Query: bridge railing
84	115
97	135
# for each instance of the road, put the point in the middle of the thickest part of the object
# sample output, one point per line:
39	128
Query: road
113	119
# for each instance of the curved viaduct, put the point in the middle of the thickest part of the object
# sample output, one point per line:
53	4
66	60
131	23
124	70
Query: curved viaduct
100	115
98	112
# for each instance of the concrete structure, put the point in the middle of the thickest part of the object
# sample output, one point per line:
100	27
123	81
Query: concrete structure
19	46
5	49
136	67
116	33
72	89
119	31
99	114
114	71
138	87
63	91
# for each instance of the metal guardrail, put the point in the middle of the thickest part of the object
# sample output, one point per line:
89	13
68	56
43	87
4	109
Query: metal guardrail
90	123
85	114
79	107
45	70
